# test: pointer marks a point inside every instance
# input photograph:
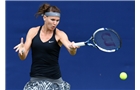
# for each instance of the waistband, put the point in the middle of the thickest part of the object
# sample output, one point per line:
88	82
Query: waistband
58	81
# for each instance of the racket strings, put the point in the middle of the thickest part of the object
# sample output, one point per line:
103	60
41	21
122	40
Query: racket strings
107	40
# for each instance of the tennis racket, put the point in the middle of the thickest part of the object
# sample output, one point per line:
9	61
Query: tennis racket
104	39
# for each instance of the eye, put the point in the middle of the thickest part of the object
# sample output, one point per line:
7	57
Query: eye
53	19
57	20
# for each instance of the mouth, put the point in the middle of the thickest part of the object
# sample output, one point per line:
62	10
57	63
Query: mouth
53	27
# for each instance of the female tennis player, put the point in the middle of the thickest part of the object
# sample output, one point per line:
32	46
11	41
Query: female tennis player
45	42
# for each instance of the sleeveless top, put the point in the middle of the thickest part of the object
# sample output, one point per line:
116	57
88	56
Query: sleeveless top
45	57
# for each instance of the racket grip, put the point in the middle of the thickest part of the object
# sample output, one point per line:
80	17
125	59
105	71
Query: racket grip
79	44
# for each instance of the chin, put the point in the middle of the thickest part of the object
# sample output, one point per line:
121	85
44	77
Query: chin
53	28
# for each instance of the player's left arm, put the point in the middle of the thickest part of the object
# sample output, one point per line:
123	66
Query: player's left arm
67	43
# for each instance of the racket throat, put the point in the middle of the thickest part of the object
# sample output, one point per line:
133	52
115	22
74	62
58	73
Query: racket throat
89	44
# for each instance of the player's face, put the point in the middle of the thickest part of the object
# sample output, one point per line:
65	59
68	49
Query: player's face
51	22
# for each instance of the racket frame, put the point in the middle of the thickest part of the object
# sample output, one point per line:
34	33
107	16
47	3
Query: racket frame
94	43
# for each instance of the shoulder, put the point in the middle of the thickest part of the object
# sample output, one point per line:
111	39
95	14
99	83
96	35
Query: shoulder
33	31
60	32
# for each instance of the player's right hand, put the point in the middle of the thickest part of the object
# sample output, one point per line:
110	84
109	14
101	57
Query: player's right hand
20	47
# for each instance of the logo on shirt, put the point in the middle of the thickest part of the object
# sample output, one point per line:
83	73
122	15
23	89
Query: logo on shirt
51	41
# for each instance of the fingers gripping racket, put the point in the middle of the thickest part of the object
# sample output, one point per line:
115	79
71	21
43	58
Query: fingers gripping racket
104	39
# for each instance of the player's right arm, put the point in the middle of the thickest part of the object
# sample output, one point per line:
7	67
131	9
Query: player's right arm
23	48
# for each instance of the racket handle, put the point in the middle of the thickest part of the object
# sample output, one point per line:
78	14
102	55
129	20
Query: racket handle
79	44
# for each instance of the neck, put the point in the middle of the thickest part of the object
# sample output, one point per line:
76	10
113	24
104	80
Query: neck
45	29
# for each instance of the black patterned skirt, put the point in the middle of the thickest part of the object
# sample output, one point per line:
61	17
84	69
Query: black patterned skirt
46	84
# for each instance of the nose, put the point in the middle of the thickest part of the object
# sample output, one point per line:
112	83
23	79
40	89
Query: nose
55	23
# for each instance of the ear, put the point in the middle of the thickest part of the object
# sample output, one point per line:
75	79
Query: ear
44	17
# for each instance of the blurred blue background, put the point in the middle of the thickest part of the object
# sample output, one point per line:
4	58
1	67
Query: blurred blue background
90	68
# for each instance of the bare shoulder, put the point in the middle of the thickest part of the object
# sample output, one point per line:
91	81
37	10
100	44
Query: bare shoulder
33	31
60	32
